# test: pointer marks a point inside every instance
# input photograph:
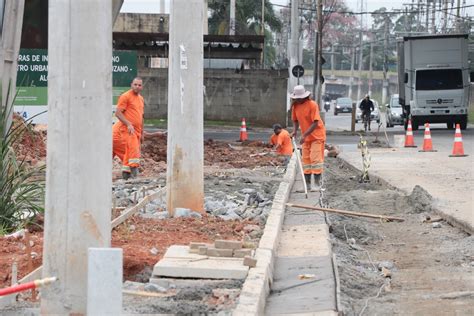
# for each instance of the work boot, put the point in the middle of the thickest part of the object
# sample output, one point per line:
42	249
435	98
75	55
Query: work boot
134	172
317	183
125	175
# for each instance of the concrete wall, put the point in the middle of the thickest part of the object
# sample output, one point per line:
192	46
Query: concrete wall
143	23
258	95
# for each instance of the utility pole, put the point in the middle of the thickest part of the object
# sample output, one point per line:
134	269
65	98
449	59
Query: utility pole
352	70
458	16
445	17
320	55
361	55
79	168
371	73
433	16
418	16
262	61
427	17
385	61
232	18
185	173
294	43
9	49
315	64
162	6
333	74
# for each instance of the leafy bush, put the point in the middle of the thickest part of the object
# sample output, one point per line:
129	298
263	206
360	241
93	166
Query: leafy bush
21	186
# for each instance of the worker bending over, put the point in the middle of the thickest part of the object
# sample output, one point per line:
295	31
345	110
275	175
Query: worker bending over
281	142
305	115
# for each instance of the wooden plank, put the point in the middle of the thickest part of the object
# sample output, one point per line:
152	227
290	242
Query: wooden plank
350	213
130	211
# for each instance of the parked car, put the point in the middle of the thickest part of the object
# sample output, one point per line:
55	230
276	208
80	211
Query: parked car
343	105
374	115
394	112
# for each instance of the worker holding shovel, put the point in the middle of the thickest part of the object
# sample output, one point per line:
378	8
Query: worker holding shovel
305	115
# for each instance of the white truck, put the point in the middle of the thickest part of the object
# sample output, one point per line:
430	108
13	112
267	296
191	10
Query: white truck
433	79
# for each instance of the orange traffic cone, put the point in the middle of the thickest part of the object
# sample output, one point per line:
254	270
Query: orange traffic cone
427	143
458	149
409	141
243	131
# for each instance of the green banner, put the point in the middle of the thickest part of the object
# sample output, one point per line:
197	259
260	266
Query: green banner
32	75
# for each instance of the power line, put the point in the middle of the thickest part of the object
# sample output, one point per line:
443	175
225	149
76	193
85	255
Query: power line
400	11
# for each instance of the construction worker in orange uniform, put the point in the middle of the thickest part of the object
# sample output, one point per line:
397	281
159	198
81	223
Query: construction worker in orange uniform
305	115
128	130
281	142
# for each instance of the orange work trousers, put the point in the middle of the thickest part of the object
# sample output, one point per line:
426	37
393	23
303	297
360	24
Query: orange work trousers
126	147
313	157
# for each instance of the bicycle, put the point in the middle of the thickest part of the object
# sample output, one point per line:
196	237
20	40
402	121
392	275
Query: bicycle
366	120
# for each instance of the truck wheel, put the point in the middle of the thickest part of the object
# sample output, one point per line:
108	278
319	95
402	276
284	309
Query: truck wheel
335	113
450	125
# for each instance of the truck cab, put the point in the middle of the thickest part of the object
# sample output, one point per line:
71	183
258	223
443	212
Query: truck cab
434	79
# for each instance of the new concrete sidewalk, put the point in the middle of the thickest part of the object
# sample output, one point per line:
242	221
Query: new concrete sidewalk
448	180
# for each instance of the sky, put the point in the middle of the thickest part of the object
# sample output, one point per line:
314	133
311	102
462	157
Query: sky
153	6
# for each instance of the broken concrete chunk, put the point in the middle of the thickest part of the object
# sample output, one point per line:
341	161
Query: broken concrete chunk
250	262
214	252
150	287
227	244
436	225
241	253
249	244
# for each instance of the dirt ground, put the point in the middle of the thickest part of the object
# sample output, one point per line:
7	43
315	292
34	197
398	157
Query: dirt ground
137	237
430	263
229	168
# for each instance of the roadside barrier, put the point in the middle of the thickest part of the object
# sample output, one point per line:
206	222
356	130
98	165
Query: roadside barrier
427	143
243	131
458	148
409	141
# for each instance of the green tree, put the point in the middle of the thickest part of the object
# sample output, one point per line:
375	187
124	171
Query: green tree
248	21
248	16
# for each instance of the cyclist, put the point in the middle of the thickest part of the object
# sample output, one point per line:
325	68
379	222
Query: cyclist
366	106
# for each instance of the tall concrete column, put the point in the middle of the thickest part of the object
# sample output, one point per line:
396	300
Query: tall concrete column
205	20
79	164
10	38
185	178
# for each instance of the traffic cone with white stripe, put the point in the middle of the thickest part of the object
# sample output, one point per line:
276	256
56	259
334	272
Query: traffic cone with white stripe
427	143
458	148
409	140
243	131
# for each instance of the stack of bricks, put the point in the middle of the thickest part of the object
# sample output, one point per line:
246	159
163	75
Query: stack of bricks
224	248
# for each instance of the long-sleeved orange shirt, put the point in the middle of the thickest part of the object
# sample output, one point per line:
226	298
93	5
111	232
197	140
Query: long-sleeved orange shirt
284	140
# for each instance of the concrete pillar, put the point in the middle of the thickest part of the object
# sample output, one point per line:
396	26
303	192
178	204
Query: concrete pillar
104	281
79	164
10	38
116	6
185	183
205	21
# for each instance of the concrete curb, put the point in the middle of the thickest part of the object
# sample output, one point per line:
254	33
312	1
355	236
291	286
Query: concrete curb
257	284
